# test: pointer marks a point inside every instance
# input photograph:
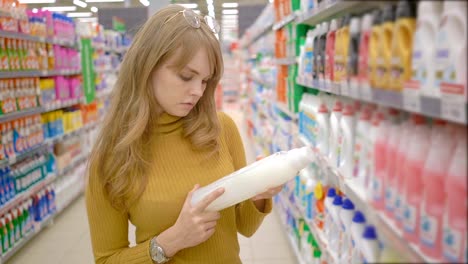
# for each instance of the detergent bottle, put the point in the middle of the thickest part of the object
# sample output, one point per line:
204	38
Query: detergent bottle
335	142
451	60
330	53
364	57
374	47
357	230
322	51
352	67
348	127
434	178
423	65
394	131
454	243
380	161
402	44
384	56
340	49
316	45
345	38
413	178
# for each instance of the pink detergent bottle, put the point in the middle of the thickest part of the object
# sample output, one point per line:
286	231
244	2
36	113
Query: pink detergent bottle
394	133
406	132
434	176
380	162
454	244
417	154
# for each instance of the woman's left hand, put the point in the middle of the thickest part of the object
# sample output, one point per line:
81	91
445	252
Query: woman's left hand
268	194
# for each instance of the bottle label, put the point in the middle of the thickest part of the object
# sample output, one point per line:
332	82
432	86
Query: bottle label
377	189
409	218
389	198
452	244
428	230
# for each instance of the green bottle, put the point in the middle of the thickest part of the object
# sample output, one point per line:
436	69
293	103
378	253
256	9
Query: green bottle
9	228
3	236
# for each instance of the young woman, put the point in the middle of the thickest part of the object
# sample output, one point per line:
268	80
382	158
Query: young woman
162	138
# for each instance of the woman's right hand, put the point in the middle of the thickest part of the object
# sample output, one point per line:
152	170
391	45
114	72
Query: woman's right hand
194	225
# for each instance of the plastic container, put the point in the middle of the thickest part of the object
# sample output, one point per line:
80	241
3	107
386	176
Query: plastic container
380	161
402	44
382	78
358	225
335	232
322	51
335	142
345	43
347	125
434	178
316	43
451	53
423	64
352	67
393	136
454	243
323	120
361	162
374	46
256	178
413	181
370	245
346	216
328	208
330	53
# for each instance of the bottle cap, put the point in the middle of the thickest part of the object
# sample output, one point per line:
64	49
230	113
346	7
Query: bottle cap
323	108
346	20
388	13
334	25
406	9
417	119
348	110
377	17
331	192
348	204
369	233
355	25
337	107
338	201
359	217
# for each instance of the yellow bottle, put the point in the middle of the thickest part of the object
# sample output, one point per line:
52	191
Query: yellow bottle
337	58
373	47
402	45
384	57
344	51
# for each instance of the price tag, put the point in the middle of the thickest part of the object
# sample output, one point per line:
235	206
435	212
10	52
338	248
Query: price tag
453	105
411	96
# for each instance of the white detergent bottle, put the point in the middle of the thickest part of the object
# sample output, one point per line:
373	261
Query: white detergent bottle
429	13
347	124
358	225
335	133
323	119
336	233
370	245
346	216
256	178
360	150
328	208
450	57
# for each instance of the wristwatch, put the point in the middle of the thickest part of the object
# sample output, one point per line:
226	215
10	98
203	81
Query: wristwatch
157	252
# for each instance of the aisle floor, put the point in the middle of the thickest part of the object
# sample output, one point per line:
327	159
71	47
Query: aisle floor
67	240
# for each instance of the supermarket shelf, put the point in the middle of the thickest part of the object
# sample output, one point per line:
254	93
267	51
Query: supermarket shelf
286	61
336	8
263	83
80	160
24	155
260	34
51	141
61	104
284	22
385	228
427	106
26	73
22	196
27	238
57	41
20	114
283	108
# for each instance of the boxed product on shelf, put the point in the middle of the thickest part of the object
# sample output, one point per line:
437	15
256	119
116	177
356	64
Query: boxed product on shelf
67	152
28	172
18	94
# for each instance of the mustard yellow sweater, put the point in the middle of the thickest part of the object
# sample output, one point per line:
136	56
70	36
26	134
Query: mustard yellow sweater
177	169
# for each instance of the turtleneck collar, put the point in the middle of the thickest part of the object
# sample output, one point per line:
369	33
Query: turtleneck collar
168	123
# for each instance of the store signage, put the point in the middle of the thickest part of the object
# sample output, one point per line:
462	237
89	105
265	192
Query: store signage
89	84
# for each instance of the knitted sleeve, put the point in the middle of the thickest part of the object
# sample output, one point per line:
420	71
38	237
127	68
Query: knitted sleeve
248	217
109	230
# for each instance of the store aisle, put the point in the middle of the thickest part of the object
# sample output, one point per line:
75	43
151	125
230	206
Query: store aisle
67	240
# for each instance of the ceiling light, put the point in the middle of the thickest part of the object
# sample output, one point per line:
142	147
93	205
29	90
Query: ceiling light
80	3
189	5
209	2
103	1
36	1
80	14
230	11
230	5
59	8
210	8
145	2
94	9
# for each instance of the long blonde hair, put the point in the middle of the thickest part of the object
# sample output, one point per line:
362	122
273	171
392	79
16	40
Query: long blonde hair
120	156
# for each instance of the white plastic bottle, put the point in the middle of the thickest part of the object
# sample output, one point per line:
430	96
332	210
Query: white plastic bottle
328	208
451	54
370	245
394	134
335	134
323	119
256	178
357	229
346	216
360	147
429	13
335	231
347	125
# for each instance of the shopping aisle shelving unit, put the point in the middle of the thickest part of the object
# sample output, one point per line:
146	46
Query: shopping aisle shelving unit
263	117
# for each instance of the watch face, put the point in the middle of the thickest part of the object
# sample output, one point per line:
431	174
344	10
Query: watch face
158	255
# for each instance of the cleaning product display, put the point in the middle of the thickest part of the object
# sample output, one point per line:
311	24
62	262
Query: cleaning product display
378	90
